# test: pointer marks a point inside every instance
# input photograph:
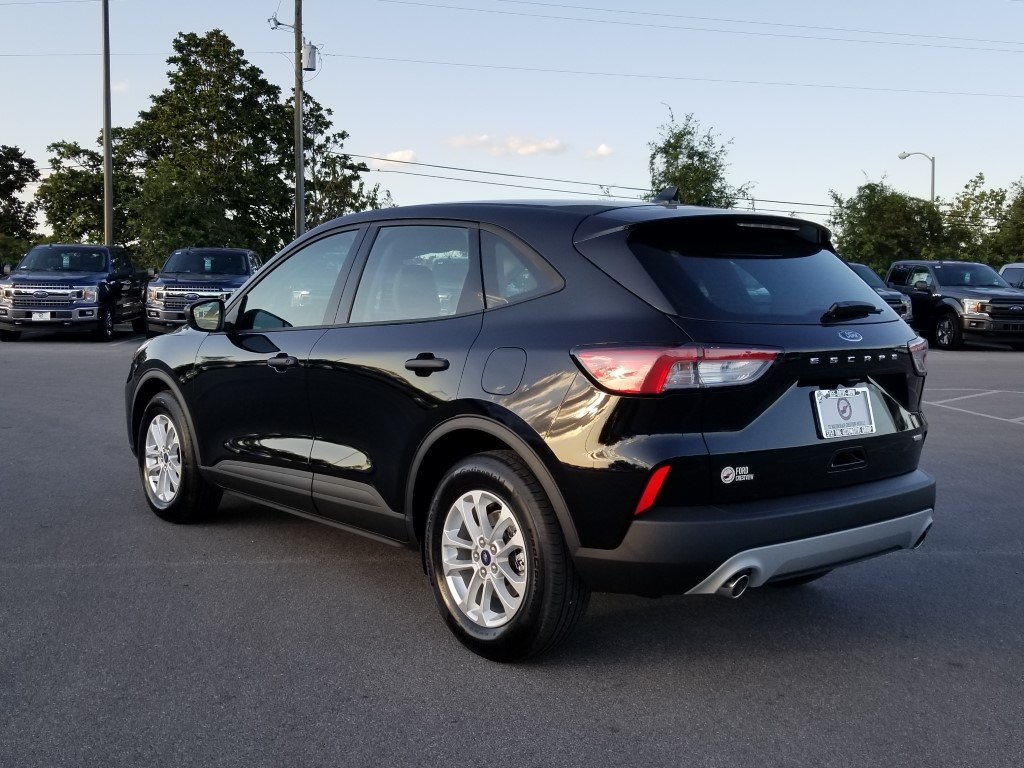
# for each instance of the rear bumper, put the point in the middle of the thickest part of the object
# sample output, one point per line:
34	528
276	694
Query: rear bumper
695	549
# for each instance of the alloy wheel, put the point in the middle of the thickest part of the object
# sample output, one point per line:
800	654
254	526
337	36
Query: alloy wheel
484	558
162	463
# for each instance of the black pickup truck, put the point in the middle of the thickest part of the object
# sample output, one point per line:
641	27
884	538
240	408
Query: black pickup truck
86	288
957	301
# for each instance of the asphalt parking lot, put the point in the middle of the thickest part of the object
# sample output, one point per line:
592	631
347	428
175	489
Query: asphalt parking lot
261	639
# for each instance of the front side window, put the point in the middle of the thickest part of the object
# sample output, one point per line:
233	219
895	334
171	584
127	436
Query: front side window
297	292
920	275
418	273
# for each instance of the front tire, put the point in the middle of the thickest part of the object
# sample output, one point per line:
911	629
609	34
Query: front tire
168	465
499	568
948	334
105	325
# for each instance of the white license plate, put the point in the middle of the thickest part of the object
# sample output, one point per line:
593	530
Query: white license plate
844	412
40	315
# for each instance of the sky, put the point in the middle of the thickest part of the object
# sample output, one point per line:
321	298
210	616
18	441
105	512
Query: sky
566	95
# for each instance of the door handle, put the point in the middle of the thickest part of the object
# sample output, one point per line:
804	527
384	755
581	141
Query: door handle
282	362
425	364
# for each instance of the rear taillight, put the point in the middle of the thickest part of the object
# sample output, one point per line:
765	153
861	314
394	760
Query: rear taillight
919	354
653	370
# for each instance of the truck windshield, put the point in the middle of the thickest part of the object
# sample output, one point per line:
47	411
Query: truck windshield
968	276
64	258
207	262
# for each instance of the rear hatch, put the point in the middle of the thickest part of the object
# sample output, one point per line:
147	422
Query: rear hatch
840	402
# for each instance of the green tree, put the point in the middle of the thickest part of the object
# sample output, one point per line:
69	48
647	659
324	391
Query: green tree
212	152
1004	244
970	220
691	159
71	197
17	216
334	185
879	225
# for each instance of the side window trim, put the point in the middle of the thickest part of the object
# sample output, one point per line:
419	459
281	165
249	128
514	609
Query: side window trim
237	304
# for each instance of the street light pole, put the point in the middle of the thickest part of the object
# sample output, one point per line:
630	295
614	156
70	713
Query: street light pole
108	162
300	170
931	159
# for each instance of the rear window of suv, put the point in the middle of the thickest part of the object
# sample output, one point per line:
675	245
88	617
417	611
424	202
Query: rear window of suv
744	270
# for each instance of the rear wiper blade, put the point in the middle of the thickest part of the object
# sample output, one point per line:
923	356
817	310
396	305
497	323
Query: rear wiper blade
845	310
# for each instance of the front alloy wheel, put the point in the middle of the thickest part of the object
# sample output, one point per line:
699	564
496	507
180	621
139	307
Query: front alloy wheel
947	332
500	571
105	325
162	467
168	465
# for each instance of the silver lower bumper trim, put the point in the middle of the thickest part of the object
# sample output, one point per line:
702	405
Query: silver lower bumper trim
830	549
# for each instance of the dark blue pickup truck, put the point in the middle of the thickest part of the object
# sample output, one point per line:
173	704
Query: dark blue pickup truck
72	287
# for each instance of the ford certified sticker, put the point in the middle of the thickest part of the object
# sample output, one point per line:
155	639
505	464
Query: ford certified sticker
850	336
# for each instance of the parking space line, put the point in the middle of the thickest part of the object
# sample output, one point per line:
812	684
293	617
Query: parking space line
1019	421
983	393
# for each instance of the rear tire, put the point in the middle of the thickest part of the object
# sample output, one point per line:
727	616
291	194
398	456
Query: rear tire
168	465
501	574
948	334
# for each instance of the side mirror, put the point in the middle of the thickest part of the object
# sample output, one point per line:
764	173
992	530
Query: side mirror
922	285
7	270
206	316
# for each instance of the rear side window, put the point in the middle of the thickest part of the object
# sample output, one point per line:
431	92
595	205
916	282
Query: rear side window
746	270
512	272
418	273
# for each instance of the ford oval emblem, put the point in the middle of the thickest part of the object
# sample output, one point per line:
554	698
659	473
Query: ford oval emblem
191	297
850	336
1017	308
40	294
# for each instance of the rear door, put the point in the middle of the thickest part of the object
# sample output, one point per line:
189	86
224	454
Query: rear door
391	366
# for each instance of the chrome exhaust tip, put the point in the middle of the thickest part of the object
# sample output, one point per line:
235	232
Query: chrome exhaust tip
734	586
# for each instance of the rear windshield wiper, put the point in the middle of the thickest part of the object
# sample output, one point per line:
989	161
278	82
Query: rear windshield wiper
845	310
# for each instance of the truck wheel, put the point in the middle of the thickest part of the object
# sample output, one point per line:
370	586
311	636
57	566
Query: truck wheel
105	325
10	335
947	332
498	565
169	467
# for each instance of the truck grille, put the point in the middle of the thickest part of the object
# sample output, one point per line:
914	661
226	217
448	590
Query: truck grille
180	296
43	296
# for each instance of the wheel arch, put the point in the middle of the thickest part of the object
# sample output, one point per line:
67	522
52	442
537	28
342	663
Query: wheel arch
151	383
464	436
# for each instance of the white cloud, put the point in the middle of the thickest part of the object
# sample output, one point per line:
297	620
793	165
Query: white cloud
398	156
122	86
509	145
602	151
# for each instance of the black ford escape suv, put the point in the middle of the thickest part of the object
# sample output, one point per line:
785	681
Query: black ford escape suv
193	274
552	398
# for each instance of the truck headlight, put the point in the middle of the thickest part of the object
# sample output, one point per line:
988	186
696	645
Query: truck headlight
973	306
155	296
906	312
6	294
86	293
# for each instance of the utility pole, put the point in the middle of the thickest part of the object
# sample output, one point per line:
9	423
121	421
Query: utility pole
108	161
300	170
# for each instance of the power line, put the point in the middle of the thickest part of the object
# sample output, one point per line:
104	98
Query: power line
679	78
765	23
783	35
